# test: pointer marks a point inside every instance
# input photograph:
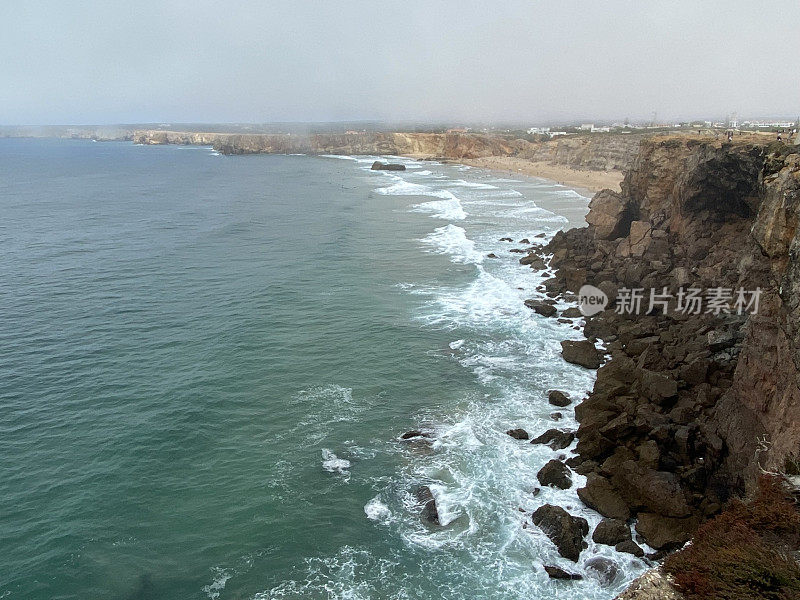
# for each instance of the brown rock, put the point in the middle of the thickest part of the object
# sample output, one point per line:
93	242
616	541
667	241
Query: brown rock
601	496
559	573
609	215
430	512
611	532
581	353
657	491
555	438
557	398
564	530
541	307
518	434
555	473
630	547
662	532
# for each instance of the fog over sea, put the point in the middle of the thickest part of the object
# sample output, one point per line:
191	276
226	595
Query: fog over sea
207	362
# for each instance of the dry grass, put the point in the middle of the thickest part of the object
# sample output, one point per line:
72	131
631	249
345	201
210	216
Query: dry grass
748	552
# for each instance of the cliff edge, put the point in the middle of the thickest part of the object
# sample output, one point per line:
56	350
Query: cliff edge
693	404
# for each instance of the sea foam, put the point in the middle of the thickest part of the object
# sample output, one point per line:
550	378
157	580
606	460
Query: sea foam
452	239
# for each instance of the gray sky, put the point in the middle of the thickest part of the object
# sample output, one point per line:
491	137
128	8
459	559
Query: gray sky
140	61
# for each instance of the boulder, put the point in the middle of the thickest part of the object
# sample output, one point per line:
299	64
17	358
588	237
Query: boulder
657	386
429	511
555	438
581	353
559	573
491	255
506	239
382	166
535	261
630	547
603	569
541	307
665	533
657	491
518	434
557	398
611	532
601	496
572	313
555	473
564	530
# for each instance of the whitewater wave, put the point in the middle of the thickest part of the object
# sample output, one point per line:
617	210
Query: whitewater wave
449	208
333	464
452	239
376	510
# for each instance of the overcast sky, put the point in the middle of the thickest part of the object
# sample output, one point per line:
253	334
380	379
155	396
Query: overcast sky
139	61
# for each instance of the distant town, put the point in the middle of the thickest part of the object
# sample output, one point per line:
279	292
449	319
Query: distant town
532	132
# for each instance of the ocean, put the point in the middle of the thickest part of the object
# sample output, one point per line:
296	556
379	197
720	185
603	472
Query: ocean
208	361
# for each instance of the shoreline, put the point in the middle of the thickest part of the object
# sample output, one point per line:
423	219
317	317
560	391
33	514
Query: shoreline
591	181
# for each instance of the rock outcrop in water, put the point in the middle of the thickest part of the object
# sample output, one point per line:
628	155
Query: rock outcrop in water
382	166
691	406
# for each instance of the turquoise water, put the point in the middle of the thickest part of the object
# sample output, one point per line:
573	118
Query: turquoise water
207	362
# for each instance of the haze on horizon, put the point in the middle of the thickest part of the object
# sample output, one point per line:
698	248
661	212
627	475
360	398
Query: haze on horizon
112	62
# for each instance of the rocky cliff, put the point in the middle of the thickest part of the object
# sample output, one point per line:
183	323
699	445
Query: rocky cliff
692	403
595	152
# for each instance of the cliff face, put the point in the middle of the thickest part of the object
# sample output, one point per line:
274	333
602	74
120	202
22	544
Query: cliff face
600	152
672	427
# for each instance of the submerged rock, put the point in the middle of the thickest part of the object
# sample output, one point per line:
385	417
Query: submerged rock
559	573
430	512
382	166
415	434
604	569
518	434
564	530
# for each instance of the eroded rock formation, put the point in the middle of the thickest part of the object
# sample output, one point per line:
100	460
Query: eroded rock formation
690	406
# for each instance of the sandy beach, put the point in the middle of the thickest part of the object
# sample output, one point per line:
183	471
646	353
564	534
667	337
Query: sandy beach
593	181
